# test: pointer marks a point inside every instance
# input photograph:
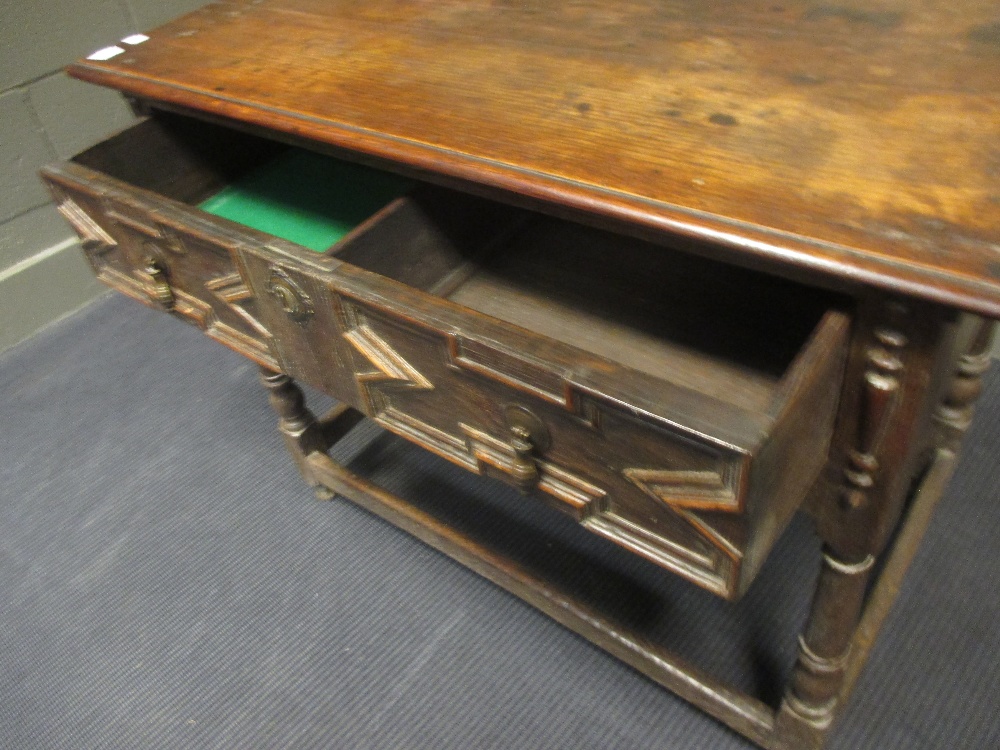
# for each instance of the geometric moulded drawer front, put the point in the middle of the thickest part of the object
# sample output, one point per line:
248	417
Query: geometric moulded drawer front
661	491
668	491
164	264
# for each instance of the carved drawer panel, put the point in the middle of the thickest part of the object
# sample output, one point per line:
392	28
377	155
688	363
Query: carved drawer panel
661	490
139	246
675	406
169	267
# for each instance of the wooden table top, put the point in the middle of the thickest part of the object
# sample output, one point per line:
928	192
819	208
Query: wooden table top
860	140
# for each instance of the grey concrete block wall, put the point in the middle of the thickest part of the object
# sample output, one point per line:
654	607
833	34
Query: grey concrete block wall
152	13
46	116
63	104
40	36
23	149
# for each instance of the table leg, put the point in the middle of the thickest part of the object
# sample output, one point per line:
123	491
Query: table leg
824	646
955	413
302	432
887	431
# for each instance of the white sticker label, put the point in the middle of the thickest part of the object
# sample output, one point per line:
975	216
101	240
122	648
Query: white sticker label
106	54
135	39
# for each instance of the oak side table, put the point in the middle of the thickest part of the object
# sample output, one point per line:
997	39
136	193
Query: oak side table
678	270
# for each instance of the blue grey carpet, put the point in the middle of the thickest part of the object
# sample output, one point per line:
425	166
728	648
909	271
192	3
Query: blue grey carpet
167	581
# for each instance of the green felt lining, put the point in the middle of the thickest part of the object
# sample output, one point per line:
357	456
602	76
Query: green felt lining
306	198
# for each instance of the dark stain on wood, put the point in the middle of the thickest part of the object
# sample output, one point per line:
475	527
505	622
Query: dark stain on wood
987	33
882	20
806	79
722	119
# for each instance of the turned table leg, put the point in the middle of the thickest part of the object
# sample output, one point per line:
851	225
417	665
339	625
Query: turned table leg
302	432
824	646
898	357
955	413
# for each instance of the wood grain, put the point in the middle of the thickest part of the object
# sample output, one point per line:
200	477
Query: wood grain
854	139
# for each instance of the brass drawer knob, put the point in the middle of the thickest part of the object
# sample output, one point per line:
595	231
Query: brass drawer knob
159	290
528	438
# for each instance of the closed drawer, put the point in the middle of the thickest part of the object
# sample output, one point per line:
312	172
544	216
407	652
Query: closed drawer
679	407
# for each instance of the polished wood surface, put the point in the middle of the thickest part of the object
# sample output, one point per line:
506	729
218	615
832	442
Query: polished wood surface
857	140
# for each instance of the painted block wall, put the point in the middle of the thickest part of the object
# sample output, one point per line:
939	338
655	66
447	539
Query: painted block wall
45	116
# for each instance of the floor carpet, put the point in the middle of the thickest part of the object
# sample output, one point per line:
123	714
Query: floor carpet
167	581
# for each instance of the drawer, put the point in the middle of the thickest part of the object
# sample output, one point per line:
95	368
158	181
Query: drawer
141	203
676	406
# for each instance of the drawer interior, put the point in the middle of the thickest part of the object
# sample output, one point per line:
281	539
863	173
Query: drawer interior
307	198
728	332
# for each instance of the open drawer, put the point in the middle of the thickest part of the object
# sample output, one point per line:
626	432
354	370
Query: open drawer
679	407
